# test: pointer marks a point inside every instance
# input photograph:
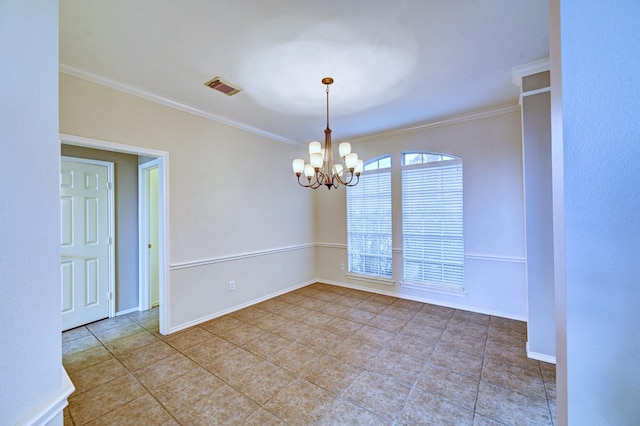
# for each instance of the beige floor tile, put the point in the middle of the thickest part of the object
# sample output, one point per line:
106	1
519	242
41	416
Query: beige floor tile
509	353
468	343
348	301
383	299
480	420
387	323
262	382
355	352
80	360
509	324
146	355
297	358
272	322
187	338
342	326
442	311
378	394
316	319
272	305
426	409
333	309
332	374
110	334
410	305
75	333
105	324
141	411
400	367
312	303
80	344
399	313
266	345
250	315
207	352
423	331
221	324
511	407
409	345
458	361
343	412
242	334
327	296
300	403
232	365
184	391
359	315
321	340
130	343
225	406
463	327
522	380
431	319
96	402
373	335
164	371
454	387
372	306
262	417
96	375
294	312
293	330
477	318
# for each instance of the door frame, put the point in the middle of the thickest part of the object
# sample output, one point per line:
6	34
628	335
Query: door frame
111	224
143	229
163	204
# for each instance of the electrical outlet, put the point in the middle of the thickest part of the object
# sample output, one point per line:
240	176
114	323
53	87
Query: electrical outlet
232	285
342	266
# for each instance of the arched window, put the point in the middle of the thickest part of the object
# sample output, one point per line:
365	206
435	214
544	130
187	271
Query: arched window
369	220
432	231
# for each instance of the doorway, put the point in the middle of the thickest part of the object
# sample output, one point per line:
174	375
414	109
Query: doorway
148	227
161	158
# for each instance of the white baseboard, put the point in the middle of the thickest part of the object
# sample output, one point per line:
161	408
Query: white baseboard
127	311
237	307
540	357
423	300
52	408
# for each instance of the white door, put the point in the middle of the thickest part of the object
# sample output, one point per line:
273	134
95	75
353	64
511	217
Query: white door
153	246
85	241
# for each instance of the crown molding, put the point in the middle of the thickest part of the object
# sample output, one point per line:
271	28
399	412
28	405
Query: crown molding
517	73
457	119
94	78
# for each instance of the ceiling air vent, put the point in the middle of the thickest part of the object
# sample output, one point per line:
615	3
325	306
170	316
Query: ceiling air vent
220	85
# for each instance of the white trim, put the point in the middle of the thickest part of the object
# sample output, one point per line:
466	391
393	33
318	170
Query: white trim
457	119
534	92
423	300
344	247
211	261
52	408
494	258
370	279
163	183
240	306
535	67
111	218
172	103
449	291
128	311
540	357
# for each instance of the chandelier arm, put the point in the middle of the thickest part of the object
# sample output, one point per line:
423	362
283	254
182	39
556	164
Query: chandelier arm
353	183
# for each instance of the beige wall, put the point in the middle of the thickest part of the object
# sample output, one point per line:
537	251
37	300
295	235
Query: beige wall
493	213
226	222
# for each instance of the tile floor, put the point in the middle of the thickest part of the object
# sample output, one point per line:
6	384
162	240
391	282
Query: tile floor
322	355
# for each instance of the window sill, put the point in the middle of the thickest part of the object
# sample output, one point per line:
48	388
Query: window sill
371	279
450	291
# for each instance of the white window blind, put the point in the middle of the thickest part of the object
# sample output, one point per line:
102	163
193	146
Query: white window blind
369	222
432	221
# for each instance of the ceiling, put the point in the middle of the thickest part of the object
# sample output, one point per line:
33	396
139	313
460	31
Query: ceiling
396	64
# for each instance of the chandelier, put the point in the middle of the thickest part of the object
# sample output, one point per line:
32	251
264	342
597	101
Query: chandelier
321	169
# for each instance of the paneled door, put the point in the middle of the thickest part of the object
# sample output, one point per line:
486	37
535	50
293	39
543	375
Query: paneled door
85	240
